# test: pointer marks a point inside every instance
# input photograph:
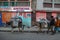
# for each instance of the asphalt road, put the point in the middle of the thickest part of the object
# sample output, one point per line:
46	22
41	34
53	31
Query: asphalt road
28	36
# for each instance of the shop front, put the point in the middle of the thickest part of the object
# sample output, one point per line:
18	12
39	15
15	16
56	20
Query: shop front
46	14
43	17
21	12
40	15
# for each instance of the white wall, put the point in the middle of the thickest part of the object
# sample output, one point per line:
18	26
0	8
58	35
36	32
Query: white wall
39	6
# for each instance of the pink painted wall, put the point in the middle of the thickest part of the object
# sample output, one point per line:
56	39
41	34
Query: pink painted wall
40	15
54	14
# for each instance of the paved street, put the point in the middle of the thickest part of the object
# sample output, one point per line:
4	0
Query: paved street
28	36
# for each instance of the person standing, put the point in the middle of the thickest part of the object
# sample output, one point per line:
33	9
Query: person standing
14	23
52	24
19	24
57	25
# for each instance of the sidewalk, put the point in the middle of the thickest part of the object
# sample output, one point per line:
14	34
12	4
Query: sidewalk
31	29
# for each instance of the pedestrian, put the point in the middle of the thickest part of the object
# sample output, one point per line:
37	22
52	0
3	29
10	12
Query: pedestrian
48	26
52	24
40	27
6	23
57	25
14	23
41	24
19	24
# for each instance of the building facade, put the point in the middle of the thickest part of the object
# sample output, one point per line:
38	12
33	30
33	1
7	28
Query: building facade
14	8
47	8
22	8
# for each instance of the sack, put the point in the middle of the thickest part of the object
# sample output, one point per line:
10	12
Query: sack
15	23
57	23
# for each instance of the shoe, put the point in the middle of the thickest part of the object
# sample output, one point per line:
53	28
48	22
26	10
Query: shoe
52	33
47	32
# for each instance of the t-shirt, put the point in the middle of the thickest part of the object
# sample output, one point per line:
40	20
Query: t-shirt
52	22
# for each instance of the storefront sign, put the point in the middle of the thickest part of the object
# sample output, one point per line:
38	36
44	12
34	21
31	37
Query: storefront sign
5	8
21	8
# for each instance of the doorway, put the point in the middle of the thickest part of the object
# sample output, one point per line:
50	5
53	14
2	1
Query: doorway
48	15
58	15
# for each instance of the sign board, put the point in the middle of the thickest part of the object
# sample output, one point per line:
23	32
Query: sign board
21	8
3	8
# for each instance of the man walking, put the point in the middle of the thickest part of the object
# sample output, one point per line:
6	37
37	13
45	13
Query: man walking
52	23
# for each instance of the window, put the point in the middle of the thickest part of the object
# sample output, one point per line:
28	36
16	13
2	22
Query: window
22	3
57	5
12	4
48	5
3	0
22	0
48	15
12	0
1	3
56	0
47	0
5	3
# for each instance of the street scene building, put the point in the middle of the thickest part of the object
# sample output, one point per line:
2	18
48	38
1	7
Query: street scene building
22	19
47	8
42	9
15	8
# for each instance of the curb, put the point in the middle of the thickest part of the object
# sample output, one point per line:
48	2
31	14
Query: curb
23	31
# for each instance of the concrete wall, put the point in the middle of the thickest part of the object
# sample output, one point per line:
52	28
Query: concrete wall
39	6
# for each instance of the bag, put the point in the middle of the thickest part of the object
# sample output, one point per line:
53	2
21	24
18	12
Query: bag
57	23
